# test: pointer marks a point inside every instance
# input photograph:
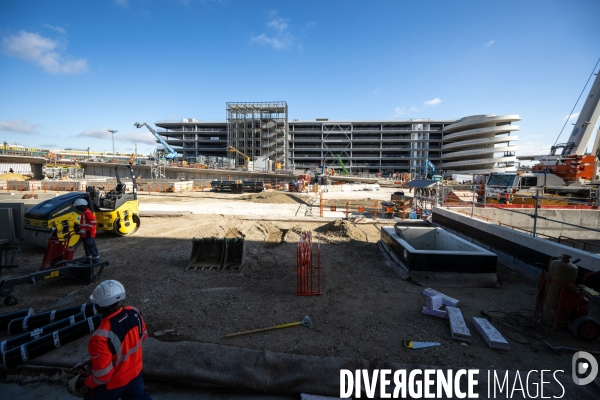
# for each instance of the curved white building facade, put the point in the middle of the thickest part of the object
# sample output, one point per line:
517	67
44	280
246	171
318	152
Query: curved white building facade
480	144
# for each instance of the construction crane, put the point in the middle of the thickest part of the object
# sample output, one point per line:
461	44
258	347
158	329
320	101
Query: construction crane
342	164
170	153
249	165
568	160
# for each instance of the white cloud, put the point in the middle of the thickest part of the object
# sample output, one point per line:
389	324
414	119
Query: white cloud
491	42
122	3
433	102
281	38
279	24
56	28
277	43
18	126
44	52
138	137
376	90
573	116
97	133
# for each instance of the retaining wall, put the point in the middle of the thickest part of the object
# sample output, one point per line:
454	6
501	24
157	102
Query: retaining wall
511	246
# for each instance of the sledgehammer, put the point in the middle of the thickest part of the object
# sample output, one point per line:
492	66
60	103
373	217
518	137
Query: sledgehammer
306	321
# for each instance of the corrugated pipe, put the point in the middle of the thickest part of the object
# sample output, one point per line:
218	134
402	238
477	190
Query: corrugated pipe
6	318
26	324
54	340
16	341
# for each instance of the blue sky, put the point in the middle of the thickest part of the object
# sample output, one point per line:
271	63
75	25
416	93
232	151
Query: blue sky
71	70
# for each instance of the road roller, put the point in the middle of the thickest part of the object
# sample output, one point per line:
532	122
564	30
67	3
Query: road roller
116	211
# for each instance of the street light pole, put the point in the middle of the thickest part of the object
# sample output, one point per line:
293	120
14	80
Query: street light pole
113	139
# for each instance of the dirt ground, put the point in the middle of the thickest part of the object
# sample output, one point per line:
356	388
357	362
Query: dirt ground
365	311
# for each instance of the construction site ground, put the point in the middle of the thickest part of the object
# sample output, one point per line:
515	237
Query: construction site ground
365	311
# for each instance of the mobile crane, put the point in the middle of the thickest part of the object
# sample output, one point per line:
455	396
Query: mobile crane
572	164
249	166
169	153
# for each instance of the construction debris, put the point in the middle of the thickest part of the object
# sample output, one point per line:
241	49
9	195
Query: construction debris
446	300
493	338
458	326
434	303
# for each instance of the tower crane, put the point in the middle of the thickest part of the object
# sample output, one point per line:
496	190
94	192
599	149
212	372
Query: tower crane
170	153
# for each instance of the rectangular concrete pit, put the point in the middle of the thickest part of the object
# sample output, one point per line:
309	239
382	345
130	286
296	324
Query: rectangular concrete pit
428	249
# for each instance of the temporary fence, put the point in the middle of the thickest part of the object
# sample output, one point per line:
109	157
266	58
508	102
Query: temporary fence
372	208
305	285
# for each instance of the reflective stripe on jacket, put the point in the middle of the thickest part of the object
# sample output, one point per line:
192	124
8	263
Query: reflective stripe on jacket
88	222
116	349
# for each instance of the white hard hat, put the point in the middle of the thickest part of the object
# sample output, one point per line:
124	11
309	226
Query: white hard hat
80	202
107	293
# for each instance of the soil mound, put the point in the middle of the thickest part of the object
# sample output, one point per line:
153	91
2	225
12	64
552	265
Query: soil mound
275	198
344	230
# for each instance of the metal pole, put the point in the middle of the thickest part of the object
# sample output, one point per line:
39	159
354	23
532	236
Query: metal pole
473	202
113	131
535	212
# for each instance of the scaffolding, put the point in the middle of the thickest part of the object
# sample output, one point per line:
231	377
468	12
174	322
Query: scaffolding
259	130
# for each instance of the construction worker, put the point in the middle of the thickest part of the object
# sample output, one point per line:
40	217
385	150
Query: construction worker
87	230
115	348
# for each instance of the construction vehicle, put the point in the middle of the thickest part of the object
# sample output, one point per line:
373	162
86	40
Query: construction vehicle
339	159
519	188
115	210
168	152
249	165
572	165
429	171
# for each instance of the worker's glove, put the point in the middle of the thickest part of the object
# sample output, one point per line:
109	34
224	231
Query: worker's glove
74	379
82	232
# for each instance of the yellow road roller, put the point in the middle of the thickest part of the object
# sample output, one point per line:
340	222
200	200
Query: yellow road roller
115	210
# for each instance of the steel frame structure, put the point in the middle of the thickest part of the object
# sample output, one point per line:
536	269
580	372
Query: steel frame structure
259	129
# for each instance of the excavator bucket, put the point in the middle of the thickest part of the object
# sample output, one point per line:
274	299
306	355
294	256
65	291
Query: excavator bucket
217	254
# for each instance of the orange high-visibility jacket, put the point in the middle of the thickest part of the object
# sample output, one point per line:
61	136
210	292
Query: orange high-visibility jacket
88	222
116	349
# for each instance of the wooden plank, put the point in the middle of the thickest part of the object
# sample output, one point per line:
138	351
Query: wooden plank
446	300
458	326
493	338
435	313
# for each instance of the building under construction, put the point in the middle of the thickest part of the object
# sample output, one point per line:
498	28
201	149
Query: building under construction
258	130
472	145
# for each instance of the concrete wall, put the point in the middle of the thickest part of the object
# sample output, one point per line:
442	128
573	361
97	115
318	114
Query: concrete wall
585	218
98	170
511	246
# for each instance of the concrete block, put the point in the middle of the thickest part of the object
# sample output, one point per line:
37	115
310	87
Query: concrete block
446	300
7	228
18	212
458	326
492	337
435	313
434	302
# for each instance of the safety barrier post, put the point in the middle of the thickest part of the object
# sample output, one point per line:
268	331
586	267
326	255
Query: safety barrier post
44	188
321	207
305	267
347	201
375	210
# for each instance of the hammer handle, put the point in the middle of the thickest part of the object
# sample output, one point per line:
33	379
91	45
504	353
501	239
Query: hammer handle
263	329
